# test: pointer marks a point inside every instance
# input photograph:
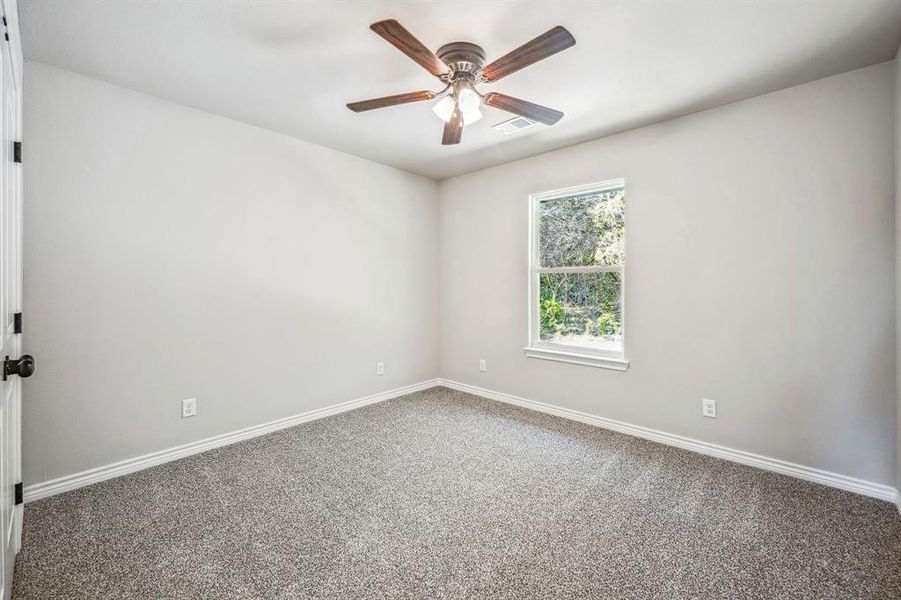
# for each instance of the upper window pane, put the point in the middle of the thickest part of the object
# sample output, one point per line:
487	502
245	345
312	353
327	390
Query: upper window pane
582	231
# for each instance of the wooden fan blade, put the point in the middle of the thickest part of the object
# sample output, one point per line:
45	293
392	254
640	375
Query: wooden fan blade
548	43
390	101
404	41
453	130
536	112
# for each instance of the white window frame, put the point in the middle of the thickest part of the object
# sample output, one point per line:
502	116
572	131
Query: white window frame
607	359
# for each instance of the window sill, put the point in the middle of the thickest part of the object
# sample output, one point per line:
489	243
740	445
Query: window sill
575	358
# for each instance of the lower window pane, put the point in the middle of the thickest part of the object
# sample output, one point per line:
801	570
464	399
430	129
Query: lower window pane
581	309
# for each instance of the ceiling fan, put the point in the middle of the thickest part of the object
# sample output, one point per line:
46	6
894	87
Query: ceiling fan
459	66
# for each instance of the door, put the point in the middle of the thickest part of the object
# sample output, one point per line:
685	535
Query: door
14	367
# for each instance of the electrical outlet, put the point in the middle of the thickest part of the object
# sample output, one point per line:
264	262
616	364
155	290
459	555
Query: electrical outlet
708	408
483	365
188	407
379	368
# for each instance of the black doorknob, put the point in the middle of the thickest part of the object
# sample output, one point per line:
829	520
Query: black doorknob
24	367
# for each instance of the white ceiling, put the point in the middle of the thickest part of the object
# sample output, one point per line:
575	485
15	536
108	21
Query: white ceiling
292	66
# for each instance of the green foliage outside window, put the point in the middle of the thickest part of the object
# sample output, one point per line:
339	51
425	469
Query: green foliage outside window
551	313
582	231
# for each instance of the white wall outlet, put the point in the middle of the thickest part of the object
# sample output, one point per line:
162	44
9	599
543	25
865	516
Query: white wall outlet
188	407
708	408
483	365
379	368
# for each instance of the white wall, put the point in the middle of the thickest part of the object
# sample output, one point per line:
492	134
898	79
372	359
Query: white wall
898	275
760	273
171	253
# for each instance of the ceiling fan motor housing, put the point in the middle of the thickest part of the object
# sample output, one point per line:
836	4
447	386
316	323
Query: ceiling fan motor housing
462	57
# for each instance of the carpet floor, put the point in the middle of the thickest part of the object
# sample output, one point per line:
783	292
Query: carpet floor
441	494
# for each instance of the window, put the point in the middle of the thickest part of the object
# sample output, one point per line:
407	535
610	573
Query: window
576	275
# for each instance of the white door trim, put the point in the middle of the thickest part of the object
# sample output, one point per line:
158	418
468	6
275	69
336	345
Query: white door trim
11	207
11	11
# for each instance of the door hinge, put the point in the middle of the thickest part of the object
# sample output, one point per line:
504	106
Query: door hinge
19	495
17	323
17	152
5	29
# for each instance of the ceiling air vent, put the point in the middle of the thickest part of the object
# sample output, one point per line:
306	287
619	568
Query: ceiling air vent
513	125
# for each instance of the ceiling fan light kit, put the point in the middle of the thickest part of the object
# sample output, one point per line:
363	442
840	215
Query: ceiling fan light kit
459	65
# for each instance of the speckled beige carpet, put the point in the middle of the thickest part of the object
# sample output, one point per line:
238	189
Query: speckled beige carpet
444	495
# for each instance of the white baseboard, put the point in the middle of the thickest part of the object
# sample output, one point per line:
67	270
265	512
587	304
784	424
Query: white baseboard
77	480
70	482
842	482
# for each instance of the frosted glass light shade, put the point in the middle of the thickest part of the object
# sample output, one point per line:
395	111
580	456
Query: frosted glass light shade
444	108
469	105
